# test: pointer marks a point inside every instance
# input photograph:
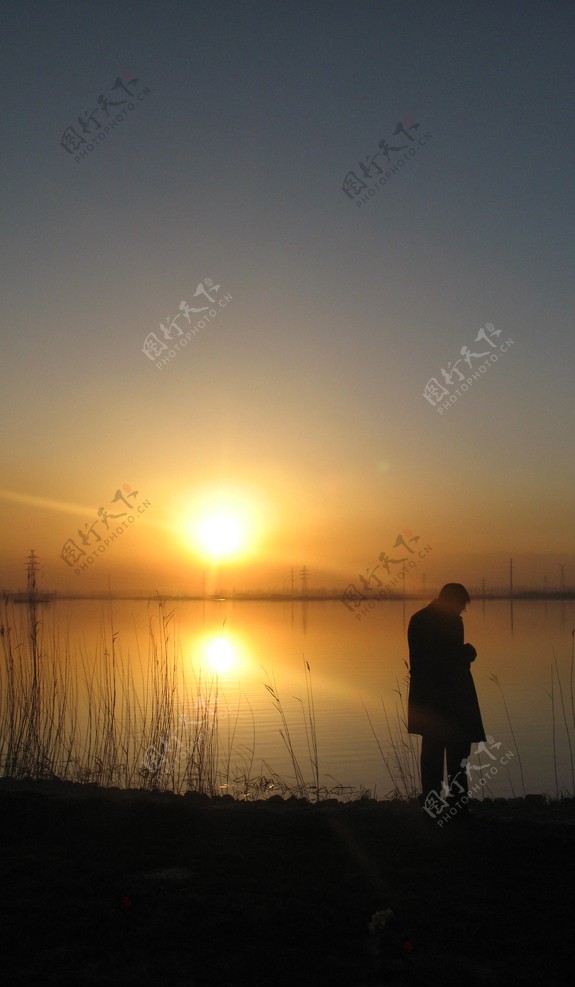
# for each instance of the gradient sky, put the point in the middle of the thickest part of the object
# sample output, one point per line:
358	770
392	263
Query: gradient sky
303	400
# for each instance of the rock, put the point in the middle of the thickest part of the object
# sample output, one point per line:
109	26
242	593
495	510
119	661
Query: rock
535	800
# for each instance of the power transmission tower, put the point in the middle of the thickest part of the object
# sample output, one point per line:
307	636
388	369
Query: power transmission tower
32	566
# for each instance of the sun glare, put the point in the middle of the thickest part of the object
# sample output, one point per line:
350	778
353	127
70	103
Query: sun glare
223	526
221	534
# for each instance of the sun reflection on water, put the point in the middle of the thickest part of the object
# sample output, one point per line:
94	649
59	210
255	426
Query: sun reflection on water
220	653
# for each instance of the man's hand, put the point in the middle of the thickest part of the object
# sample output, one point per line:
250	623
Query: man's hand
470	652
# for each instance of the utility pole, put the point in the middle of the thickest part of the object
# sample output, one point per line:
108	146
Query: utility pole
511	593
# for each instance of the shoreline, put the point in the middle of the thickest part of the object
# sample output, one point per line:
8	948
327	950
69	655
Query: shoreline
534	804
136	887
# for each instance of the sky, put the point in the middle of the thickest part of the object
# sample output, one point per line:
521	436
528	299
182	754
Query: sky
250	170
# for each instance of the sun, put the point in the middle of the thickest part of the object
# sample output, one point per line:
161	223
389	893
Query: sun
223	525
221	534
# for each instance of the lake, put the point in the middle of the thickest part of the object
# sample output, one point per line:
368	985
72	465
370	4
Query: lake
357	671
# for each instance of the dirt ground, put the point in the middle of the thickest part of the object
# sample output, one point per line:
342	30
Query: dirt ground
105	887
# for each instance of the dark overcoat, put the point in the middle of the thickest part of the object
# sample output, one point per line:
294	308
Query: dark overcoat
442	701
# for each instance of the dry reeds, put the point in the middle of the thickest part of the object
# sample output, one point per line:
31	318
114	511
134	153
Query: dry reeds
97	718
88	719
401	759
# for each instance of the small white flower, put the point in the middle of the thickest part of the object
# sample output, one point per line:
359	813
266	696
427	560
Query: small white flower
379	920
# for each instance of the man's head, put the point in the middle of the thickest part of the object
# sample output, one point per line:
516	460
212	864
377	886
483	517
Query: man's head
454	596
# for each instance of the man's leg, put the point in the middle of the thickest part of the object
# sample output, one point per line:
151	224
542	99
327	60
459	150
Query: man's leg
456	773
432	758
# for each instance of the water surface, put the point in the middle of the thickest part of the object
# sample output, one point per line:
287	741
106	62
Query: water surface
357	668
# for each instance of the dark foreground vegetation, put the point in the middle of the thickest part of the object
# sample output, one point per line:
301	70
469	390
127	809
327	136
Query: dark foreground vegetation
109	886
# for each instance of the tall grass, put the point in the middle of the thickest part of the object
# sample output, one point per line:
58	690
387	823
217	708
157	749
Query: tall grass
94	717
555	676
496	682
38	719
301	787
401	758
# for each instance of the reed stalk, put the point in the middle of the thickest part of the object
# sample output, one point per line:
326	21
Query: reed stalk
565	722
495	680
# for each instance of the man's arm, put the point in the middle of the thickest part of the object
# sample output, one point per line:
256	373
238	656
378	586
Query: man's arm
459	653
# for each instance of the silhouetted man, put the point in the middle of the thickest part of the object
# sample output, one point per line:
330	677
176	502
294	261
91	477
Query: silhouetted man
442	704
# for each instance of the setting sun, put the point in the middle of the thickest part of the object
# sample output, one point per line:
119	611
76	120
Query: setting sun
221	534
223	524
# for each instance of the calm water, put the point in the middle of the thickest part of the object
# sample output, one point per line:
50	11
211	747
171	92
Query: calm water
353	664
